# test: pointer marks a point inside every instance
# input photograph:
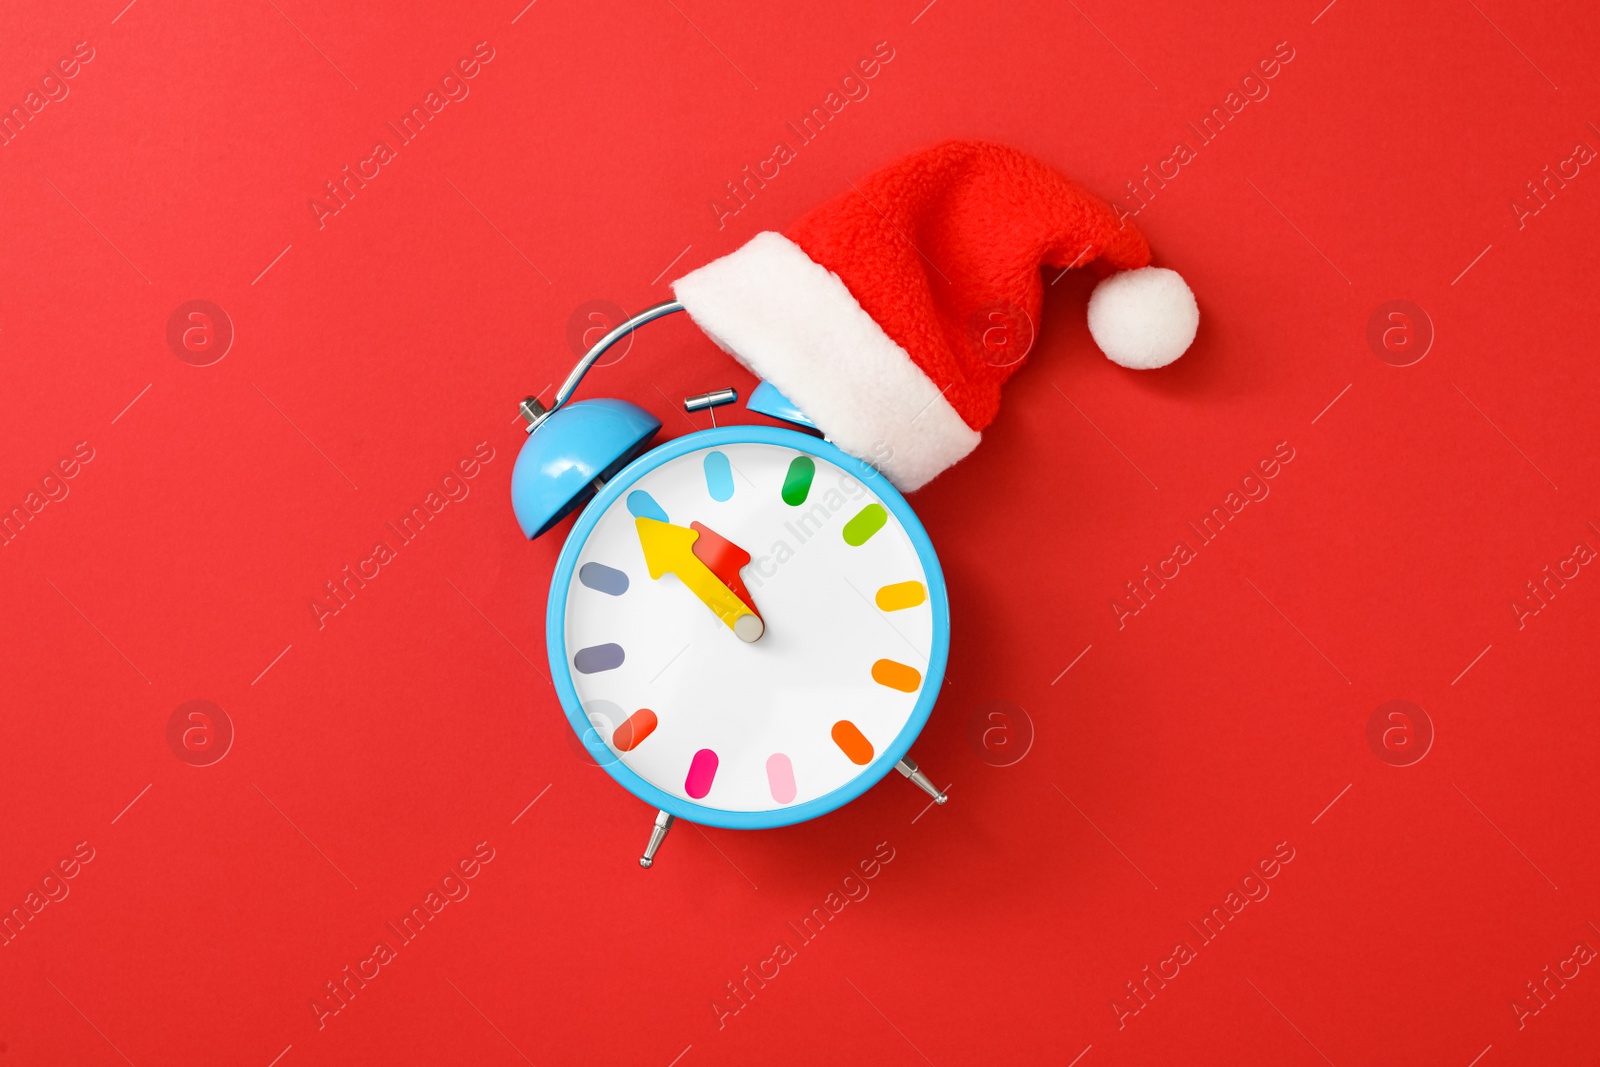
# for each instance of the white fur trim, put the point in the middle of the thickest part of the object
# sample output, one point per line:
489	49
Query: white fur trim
795	324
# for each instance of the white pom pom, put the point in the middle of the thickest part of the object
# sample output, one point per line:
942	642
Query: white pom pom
1143	318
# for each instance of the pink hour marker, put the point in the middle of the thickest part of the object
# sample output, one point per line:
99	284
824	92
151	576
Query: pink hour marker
702	769
780	778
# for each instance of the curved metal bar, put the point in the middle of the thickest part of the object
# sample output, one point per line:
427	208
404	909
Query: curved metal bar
584	365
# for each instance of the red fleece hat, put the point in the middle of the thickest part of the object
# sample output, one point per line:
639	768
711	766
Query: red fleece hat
892	315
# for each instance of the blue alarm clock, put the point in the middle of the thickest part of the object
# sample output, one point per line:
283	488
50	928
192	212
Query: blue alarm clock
747	626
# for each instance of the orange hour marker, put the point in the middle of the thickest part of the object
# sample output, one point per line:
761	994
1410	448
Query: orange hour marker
896	675
852	743
901	595
640	725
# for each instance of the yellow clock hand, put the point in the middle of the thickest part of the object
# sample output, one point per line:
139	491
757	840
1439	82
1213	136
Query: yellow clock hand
669	549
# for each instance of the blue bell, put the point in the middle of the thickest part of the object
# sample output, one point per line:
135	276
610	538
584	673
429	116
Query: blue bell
576	445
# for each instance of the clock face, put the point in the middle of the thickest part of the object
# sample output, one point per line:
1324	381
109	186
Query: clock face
748	626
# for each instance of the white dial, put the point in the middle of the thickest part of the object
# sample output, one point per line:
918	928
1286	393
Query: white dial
749	627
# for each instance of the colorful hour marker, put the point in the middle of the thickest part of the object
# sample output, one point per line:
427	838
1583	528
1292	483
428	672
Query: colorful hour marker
901	595
780	778
868	521
896	675
603	579
597	658
852	743
644	506
640	725
719	476
797	482
702	769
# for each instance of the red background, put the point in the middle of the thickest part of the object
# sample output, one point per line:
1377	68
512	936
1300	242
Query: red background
372	354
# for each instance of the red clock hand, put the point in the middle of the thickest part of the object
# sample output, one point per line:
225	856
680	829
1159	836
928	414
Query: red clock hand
724	559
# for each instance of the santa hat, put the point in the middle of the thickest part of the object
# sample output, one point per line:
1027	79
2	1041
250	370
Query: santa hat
892	315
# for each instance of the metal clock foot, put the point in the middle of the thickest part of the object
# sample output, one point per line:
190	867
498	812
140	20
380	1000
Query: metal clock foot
908	768
658	834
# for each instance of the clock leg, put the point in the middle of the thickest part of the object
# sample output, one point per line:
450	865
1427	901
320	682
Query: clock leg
909	768
658	834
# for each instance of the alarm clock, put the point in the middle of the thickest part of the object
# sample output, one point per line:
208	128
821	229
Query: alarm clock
747	626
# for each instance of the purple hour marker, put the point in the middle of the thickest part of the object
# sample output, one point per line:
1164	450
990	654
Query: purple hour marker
603	579
702	770
597	658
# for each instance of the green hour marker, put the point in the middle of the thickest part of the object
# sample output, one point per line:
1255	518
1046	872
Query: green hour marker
868	521
797	483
